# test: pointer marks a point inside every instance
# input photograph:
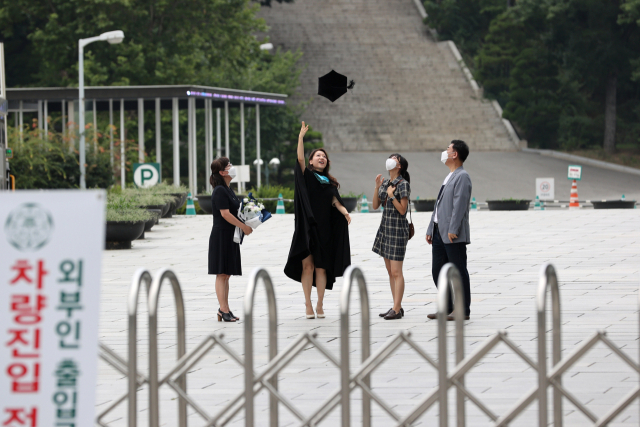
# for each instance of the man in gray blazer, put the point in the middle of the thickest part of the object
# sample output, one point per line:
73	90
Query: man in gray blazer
448	230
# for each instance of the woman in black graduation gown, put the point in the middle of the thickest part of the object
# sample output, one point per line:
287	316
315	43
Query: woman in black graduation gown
224	253
320	247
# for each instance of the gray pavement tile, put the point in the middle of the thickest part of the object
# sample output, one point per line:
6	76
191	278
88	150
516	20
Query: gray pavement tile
599	275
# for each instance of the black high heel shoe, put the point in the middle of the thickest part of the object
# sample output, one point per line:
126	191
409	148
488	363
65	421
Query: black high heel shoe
225	316
232	315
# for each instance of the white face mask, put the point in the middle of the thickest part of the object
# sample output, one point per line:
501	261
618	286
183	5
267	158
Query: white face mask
444	157
391	164
232	172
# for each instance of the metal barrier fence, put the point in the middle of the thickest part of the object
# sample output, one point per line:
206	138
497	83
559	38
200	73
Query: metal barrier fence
350	379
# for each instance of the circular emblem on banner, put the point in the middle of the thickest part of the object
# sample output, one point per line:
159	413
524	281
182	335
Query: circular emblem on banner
28	227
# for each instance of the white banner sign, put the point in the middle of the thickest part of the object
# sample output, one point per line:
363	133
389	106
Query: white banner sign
545	188
51	247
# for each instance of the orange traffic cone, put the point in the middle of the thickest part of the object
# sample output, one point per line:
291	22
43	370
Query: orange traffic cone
573	200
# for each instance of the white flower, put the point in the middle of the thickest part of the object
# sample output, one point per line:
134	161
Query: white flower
245	200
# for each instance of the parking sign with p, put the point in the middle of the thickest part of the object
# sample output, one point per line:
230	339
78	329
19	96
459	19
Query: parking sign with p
146	174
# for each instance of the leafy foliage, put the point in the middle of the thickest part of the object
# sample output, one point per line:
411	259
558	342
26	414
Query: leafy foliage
268	2
128	215
204	42
466	22
549	63
40	163
272	192
178	42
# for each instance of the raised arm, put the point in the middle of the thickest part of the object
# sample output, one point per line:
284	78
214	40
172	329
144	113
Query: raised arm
301	159
376	199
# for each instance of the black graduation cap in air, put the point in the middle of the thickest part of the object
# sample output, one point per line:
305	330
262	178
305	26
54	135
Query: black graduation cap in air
333	85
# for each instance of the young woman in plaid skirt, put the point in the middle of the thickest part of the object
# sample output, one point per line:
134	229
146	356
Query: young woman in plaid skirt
393	233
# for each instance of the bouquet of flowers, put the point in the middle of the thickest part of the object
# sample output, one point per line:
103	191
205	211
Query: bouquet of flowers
252	213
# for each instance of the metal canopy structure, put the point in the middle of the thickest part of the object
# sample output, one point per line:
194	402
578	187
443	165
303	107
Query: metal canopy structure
142	98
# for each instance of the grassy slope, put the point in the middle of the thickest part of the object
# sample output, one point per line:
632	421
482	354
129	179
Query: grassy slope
624	157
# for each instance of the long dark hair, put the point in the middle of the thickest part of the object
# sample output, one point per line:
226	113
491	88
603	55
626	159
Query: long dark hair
404	165
217	166
325	172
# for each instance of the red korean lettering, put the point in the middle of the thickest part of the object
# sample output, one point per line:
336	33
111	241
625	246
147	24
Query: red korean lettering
21	266
20	336
17	371
27	308
21	417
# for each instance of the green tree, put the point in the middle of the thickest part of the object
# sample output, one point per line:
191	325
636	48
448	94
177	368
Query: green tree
466	22
177	42
47	163
268	2
595	48
566	71
205	42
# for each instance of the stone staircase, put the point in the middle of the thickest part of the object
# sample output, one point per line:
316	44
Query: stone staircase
410	92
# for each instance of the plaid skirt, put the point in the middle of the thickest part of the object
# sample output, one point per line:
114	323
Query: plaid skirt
393	235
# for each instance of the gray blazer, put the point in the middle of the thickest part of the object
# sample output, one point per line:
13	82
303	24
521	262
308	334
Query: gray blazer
453	208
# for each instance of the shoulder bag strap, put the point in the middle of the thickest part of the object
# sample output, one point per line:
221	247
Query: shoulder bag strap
408	205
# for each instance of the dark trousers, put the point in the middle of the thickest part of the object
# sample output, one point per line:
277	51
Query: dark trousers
455	253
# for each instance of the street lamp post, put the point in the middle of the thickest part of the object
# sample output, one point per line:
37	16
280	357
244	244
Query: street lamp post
258	164
113	37
275	162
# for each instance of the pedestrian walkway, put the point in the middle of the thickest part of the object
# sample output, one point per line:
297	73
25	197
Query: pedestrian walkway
596	254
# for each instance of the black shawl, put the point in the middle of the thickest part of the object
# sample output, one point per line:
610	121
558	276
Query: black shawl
305	229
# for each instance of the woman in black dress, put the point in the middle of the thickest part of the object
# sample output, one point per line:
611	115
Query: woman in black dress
320	247
224	253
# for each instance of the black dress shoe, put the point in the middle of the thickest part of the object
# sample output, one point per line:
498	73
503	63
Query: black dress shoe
392	315
385	313
232	315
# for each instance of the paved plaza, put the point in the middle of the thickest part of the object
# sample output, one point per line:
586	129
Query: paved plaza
596	254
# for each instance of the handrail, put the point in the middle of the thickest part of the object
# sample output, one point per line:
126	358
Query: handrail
449	275
141	274
154	296
345	296
548	279
249	296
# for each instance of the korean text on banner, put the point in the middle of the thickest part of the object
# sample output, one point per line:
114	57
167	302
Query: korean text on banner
51	244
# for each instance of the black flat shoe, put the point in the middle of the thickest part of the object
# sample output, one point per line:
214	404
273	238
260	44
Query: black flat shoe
392	315
232	315
225	316
385	313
